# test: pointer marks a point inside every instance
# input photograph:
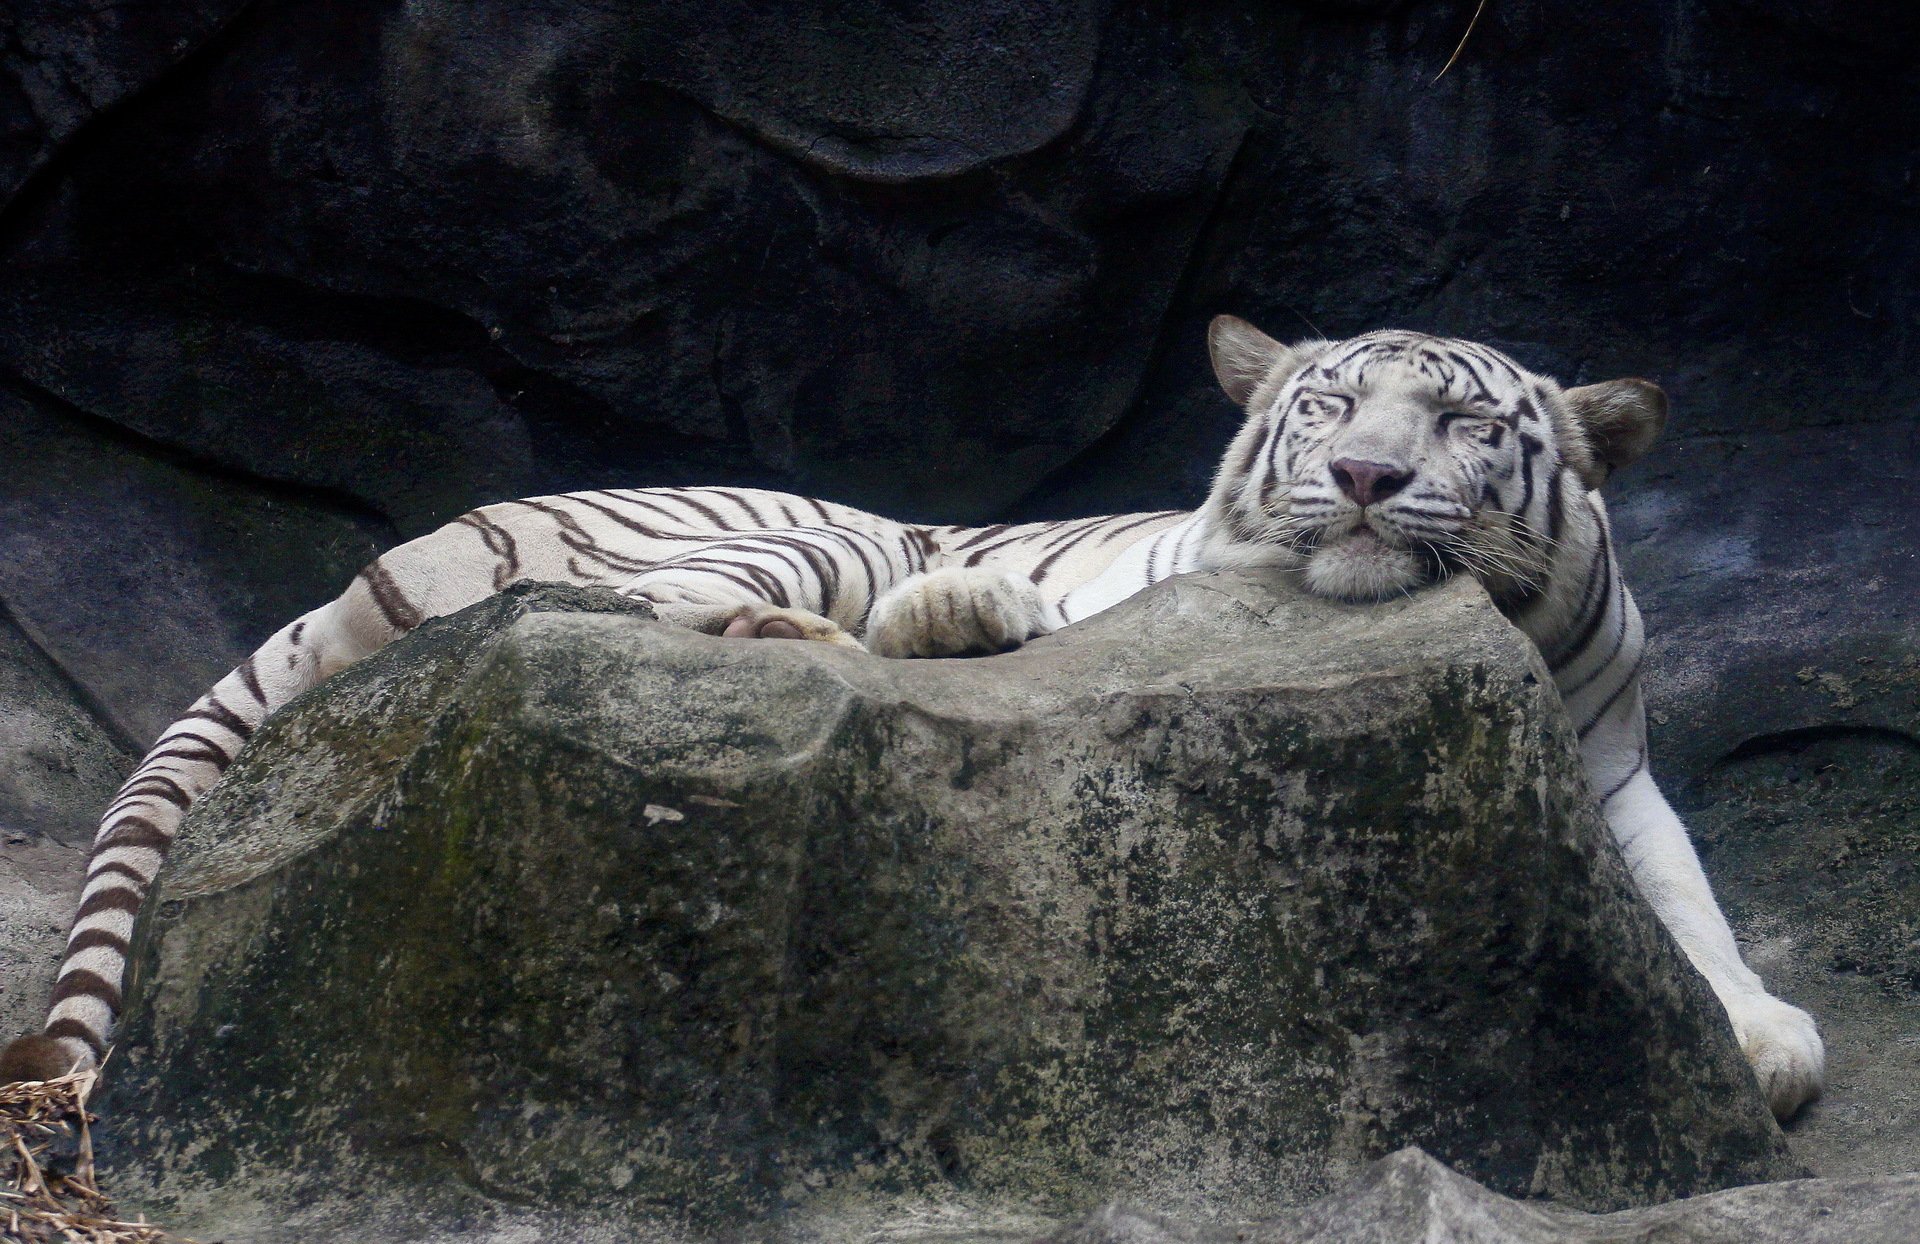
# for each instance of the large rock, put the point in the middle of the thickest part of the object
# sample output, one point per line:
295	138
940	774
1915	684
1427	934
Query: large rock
1409	1197
1204	903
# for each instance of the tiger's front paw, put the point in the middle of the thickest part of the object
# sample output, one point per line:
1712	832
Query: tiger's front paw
956	611
1783	1045
775	622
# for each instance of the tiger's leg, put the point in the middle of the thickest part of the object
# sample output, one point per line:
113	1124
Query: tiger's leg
1778	1038
801	583
958	611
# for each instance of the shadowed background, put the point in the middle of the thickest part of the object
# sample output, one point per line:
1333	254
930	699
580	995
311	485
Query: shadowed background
282	284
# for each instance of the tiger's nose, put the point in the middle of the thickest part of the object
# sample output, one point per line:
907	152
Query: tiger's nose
1368	482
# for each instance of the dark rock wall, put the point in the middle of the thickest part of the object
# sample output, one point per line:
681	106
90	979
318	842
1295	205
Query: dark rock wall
952	260
281	283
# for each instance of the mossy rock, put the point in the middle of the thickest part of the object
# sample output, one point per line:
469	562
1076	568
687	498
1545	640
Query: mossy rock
1204	903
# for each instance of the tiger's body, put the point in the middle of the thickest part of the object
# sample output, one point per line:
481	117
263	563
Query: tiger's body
1371	466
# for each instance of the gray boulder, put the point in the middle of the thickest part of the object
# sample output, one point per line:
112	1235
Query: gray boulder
1204	904
1410	1197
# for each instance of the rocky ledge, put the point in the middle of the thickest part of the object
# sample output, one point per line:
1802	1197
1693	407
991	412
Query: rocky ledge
554	914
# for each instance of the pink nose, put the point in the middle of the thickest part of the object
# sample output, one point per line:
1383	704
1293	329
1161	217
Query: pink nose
1368	482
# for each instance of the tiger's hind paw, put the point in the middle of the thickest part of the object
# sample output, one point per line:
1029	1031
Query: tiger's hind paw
774	622
35	1057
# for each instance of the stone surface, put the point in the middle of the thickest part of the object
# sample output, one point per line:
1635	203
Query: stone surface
58	766
64	62
1410	1197
144	576
1203	903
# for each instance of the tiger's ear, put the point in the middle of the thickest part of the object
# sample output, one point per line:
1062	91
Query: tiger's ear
1243	356
1621	419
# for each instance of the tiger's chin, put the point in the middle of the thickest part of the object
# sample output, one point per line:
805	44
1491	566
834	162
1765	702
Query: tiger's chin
1363	568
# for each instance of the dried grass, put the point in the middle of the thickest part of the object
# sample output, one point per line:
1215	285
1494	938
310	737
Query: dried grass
47	1189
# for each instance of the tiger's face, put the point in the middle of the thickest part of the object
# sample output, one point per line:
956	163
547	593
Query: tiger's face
1393	459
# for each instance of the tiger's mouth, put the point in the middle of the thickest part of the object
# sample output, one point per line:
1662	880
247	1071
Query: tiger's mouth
1363	563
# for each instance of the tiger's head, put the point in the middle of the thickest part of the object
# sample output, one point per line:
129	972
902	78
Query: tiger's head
1390	460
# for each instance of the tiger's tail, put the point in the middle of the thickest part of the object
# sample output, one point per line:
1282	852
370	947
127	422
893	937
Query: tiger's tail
139	825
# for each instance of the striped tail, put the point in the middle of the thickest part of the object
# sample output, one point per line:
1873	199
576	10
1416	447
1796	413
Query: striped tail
140	823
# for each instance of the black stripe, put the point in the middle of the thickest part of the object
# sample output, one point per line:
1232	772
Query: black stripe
1045	564
1247	460
1270	481
776	589
60	1029
825	569
176	735
1619	641
154	784
754	516
630	524
1555	519
251	679
704	510
985	533
91	939
134	831
1072	530
84	983
1593	606
206	753
847	538
401	614
113	898
646	501
1639	764
1039	571
114	868
581	541
1632	675
500	543
1529	447
219	714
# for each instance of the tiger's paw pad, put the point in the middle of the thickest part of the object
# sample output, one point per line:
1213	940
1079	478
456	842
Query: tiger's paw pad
1784	1047
774	622
34	1057
957	611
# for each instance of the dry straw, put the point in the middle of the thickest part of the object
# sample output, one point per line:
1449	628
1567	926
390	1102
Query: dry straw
47	1188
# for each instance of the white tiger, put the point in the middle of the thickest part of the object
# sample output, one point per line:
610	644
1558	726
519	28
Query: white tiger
1372	465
